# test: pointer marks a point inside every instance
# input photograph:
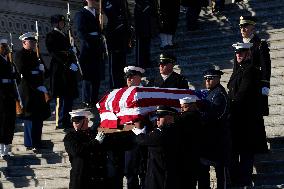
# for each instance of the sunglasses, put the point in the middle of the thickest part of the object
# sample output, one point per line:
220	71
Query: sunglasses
243	26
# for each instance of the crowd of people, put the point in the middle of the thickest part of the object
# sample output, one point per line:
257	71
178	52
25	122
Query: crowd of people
178	147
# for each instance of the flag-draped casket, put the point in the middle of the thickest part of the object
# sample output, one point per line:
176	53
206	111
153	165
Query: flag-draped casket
124	105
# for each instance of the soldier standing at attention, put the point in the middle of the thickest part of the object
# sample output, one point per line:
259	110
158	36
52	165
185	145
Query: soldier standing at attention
169	14
36	109
118	38
7	99
169	78
245	116
63	82
146	26
260	56
89	33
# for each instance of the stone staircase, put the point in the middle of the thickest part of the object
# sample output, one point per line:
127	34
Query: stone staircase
208	47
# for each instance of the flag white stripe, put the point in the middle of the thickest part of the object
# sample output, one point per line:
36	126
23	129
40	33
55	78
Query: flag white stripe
109	100
161	95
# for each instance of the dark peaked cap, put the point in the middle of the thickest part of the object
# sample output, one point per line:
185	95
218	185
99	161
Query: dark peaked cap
165	110
167	58
247	20
212	72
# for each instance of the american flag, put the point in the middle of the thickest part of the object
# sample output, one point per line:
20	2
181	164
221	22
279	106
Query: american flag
124	105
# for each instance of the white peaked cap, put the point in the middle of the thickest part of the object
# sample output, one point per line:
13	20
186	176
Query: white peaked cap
133	68
27	35
80	113
187	100
242	45
4	41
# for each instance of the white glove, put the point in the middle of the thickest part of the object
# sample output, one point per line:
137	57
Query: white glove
137	131
265	91
41	67
100	137
42	89
74	67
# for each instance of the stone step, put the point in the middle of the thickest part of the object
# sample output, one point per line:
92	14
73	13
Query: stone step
38	171
273	155
48	146
35	159
275	178
274	131
29	182
264	16
269	186
277	143
268	166
46	135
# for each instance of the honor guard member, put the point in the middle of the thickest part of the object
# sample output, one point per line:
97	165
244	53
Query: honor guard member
146	26
63	82
214	145
163	151
7	99
189	122
169	14
86	154
89	33
168	78
246	120
260	55
133	75
32	90
118	38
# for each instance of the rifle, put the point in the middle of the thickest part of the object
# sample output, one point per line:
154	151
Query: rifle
46	95
71	39
101	20
19	102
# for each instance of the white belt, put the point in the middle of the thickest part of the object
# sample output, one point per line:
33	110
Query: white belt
94	33
6	80
35	72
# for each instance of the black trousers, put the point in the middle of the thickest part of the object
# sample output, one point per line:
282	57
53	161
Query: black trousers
117	62
241	169
143	45
192	15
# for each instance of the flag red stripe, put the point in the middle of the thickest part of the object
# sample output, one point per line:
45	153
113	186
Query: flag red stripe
115	102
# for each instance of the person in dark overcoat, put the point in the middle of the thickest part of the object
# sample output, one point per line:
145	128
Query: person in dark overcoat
146	18
8	75
169	15
86	154
245	116
63	69
118	38
168	78
215	144
163	151
32	89
89	32
189	122
260	56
